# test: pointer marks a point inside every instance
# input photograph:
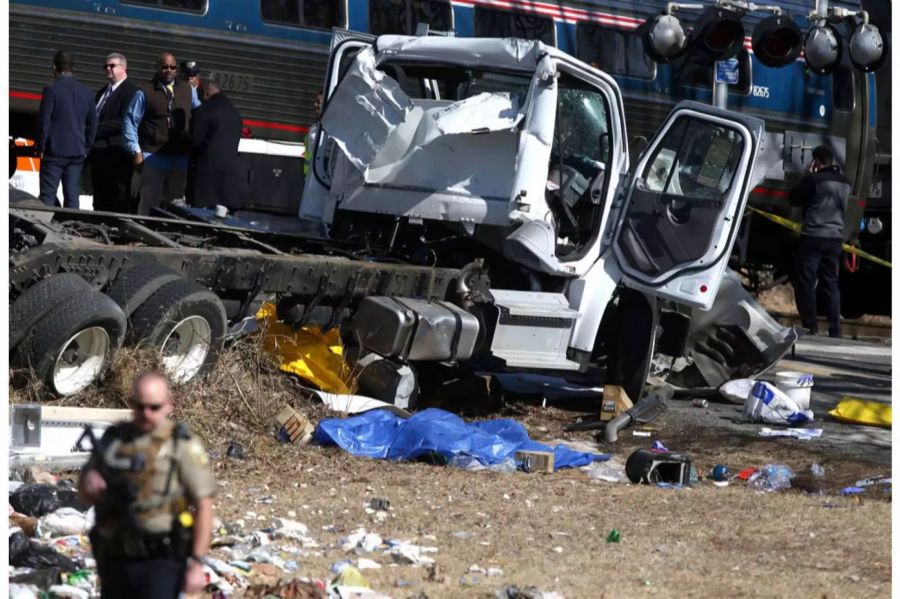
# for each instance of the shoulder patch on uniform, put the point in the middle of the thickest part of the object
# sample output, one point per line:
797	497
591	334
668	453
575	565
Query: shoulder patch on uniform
198	452
181	431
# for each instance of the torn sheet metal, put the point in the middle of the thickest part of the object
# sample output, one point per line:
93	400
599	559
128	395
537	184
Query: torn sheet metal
364	110
434	159
510	53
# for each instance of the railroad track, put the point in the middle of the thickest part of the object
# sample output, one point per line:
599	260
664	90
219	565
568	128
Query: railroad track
852	329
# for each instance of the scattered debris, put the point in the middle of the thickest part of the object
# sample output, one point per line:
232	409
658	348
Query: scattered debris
235	451
640	433
610	471
852	490
467	462
817	470
294	427
737	390
40	499
803	434
699	402
719	473
381	505
36	474
767	403
615	401
649	466
614	536
772	478
861	411
535	461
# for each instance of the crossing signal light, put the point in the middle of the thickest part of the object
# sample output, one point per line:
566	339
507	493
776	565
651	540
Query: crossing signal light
718	34
777	41
664	38
823	49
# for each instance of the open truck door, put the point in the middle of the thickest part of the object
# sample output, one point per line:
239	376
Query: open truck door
684	201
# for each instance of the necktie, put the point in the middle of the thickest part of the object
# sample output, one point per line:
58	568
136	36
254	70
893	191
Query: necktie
104	97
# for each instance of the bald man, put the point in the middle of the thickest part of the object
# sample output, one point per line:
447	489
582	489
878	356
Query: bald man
153	493
156	133
214	174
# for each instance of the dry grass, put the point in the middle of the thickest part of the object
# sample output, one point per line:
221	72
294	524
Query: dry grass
236	401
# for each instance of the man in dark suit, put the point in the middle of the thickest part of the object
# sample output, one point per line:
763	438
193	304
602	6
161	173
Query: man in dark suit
110	160
214	165
67	123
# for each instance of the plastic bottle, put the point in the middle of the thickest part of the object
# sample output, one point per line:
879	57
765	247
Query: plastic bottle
773	478
817	469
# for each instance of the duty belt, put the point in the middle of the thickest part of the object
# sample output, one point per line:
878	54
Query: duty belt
134	546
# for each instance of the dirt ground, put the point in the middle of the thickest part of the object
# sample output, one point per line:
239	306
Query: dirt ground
550	530
545	530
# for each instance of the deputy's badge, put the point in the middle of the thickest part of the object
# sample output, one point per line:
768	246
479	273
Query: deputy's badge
198	453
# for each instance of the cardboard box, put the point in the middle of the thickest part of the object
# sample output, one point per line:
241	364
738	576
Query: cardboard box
535	461
614	402
294	427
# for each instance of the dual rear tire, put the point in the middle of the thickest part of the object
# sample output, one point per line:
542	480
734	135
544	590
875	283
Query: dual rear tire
67	333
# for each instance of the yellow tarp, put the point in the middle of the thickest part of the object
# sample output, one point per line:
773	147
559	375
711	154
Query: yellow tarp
310	354
860	411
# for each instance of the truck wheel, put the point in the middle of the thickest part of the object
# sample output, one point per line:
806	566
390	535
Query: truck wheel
37	300
133	286
72	344
187	323
637	319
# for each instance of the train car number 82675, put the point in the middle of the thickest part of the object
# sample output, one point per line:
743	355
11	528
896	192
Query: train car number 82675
232	82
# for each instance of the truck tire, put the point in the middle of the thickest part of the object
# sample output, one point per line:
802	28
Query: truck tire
187	323
630	356
71	346
133	286
37	300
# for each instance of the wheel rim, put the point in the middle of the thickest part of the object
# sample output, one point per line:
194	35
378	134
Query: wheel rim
81	360
185	349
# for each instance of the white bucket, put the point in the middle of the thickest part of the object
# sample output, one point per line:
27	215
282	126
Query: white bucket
796	385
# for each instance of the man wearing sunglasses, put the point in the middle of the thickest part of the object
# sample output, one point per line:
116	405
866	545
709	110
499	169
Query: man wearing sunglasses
110	160
153	470
156	133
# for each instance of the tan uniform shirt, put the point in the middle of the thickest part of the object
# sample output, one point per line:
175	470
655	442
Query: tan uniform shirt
175	473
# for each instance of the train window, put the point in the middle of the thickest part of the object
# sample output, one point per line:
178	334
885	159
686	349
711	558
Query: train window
402	16
615	51
198	6
842	88
504	23
697	70
315	14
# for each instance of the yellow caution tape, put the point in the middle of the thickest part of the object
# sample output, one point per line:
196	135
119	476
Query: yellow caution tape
795	226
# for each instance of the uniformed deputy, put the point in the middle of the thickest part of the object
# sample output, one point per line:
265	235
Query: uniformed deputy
143	479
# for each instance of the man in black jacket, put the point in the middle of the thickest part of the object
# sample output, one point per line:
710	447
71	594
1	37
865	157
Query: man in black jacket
214	166
823	194
110	160
67	123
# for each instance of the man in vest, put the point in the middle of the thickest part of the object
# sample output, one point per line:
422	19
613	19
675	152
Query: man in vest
142	478
156	132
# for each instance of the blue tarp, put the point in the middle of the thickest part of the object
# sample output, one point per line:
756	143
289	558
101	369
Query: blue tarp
381	434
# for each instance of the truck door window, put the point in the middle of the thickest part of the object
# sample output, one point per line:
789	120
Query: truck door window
615	51
581	150
490	22
402	16
313	14
678	198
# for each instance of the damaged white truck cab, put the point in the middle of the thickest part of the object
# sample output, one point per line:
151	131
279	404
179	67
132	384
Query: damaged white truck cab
509	159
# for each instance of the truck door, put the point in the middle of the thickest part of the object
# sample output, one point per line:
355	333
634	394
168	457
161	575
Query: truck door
684	201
